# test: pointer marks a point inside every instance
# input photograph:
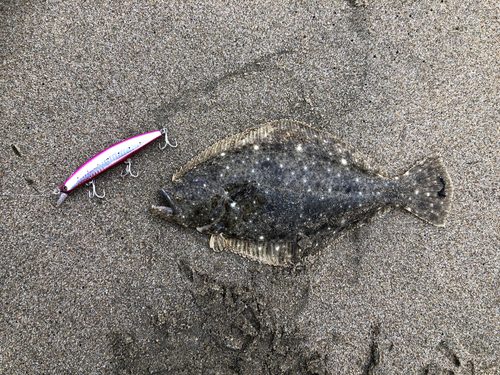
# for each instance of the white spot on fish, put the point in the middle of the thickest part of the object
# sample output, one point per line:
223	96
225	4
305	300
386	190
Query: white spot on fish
343	161
299	147
256	147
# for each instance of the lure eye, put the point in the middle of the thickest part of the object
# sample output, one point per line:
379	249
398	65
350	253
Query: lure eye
65	188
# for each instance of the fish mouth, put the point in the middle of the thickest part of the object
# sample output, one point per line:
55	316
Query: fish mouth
167	211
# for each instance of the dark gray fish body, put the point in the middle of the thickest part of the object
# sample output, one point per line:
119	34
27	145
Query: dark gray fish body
272	193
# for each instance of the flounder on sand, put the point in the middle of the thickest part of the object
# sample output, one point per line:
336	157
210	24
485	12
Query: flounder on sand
272	193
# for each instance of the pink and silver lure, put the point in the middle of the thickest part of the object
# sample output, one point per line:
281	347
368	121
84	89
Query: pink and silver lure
108	158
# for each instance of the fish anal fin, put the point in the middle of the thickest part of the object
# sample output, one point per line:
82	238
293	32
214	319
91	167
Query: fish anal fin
284	254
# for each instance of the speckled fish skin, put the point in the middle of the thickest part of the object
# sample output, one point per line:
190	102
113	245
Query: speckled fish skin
273	192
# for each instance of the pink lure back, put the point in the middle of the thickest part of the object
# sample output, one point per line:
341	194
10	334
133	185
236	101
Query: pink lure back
105	160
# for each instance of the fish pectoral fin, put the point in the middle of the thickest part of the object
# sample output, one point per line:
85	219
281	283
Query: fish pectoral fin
244	192
279	253
214	226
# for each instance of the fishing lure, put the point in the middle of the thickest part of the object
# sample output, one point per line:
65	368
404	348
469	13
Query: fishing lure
108	158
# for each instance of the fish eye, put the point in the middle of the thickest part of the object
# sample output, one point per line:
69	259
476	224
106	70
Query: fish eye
65	188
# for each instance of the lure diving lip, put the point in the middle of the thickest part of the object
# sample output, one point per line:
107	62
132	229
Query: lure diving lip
108	158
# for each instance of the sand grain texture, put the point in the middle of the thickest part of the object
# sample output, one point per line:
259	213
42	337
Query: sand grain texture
103	287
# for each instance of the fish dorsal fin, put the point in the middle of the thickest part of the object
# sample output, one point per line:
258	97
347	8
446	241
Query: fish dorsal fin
311	140
284	254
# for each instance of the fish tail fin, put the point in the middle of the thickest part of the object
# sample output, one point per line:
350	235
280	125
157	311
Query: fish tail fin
427	191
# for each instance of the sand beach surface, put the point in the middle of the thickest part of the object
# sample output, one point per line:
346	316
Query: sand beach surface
101	286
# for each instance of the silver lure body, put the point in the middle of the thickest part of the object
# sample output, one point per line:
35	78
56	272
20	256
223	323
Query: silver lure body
105	160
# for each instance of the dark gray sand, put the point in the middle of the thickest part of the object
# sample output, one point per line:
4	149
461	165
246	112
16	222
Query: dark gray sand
102	286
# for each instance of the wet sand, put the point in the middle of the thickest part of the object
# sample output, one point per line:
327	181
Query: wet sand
102	286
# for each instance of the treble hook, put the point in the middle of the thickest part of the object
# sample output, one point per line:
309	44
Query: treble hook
94	193
128	170
167	143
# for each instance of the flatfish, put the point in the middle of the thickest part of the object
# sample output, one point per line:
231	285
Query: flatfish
273	193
